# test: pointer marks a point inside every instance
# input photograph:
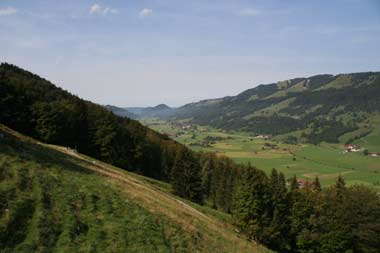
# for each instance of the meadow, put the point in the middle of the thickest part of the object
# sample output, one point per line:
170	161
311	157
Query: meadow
53	199
306	161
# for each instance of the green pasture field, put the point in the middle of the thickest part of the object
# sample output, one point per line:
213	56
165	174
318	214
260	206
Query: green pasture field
327	161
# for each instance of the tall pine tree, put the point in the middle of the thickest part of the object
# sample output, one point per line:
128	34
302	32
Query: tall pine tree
186	176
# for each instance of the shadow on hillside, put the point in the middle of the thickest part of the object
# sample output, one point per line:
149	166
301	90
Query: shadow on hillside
47	157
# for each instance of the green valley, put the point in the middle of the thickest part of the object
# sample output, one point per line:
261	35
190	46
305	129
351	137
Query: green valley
306	161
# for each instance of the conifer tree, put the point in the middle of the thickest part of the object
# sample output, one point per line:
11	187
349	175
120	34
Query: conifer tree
276	233
208	170
340	186
251	203
317	185
340	183
186	176
294	184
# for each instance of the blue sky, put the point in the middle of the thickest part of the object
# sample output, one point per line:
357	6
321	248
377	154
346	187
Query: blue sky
139	53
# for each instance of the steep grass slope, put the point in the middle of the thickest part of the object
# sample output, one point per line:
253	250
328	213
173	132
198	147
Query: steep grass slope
53	199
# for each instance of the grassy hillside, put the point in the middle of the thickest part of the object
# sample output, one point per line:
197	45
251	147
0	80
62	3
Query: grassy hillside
319	108
56	200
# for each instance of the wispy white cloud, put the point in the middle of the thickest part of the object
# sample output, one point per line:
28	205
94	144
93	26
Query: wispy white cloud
108	10
249	12
145	13
97	9
7	11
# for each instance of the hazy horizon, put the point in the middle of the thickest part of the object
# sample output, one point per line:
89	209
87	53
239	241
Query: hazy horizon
144	53
227	95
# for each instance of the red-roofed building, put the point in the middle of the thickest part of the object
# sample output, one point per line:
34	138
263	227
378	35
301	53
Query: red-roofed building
352	148
304	183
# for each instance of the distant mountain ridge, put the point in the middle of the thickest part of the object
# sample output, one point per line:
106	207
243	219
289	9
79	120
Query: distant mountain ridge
121	111
333	108
320	108
158	111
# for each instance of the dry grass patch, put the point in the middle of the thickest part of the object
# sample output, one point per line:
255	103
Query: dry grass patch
217	235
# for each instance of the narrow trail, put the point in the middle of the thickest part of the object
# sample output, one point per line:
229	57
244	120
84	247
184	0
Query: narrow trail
156	200
218	235
104	169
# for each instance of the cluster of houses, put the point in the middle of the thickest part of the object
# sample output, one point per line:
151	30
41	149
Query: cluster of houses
263	136
352	148
357	148
186	127
183	125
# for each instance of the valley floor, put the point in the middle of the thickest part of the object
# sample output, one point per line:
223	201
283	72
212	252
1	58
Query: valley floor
306	161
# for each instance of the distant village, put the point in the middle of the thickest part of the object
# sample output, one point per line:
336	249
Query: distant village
185	126
357	148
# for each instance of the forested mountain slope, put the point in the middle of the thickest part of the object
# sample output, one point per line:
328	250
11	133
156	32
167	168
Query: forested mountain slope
36	107
53	199
320	108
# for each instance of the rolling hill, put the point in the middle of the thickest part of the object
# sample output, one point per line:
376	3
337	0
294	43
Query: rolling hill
53	199
313	109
